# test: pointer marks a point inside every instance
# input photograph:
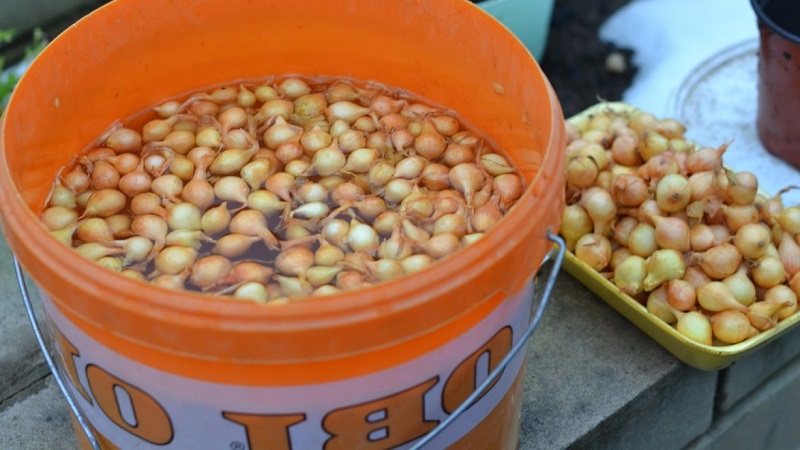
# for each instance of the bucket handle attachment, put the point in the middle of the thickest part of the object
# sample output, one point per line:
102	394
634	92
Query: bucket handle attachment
522	342
73	405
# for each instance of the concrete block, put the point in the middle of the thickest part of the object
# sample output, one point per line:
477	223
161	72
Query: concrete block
40	420
21	361
589	367
748	373
670	414
765	420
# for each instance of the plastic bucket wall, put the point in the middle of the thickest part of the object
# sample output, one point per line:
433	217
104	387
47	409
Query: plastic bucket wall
375	368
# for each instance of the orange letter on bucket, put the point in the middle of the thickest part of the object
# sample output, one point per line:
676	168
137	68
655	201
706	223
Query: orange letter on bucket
68	353
464	379
145	419
380	424
266	431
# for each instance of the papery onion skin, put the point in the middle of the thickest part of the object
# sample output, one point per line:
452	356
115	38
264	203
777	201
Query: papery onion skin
582	172
719	261
681	295
618	255
672	233
575	223
623	229
783	295
701	237
594	250
741	286
629	190
752	240
630	274
662	266
789	254
768	272
731	326
642	240
657	305
789	219
673	193
695	326
600	206
764	315
715	296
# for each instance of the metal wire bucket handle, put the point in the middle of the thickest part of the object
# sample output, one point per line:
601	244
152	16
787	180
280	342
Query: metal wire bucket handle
521	343
73	405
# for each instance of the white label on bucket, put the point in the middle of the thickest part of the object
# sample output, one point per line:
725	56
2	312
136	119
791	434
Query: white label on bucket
138	407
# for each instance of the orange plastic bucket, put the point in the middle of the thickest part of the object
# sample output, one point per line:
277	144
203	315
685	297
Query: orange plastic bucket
376	368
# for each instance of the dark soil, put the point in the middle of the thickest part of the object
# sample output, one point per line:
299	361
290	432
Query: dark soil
575	58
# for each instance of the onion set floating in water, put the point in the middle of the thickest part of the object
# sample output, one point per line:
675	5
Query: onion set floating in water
671	226
287	188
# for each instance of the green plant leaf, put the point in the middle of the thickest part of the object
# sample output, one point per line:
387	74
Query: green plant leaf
38	44
9	80
6	36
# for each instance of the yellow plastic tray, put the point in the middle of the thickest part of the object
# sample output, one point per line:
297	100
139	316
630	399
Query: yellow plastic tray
700	356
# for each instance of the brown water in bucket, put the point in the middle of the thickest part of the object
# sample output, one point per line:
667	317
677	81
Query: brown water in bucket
376	368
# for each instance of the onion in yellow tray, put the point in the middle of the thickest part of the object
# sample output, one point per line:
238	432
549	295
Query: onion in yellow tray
681	295
794	284
731	326
768	272
782	295
752	240
658	306
764	315
582	171
662	266
673	193
789	219
695	326
642	240
715	296
789	253
575	223
741	286
594	250
600	206
629	190
672	233
719	261
629	275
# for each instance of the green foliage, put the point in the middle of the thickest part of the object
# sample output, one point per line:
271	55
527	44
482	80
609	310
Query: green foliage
9	80
7	83
37	44
6	36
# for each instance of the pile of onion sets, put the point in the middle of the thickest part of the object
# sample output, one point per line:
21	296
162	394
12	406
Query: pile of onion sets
280	189
671	226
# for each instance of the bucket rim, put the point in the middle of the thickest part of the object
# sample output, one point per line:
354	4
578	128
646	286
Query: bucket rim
348	306
766	20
